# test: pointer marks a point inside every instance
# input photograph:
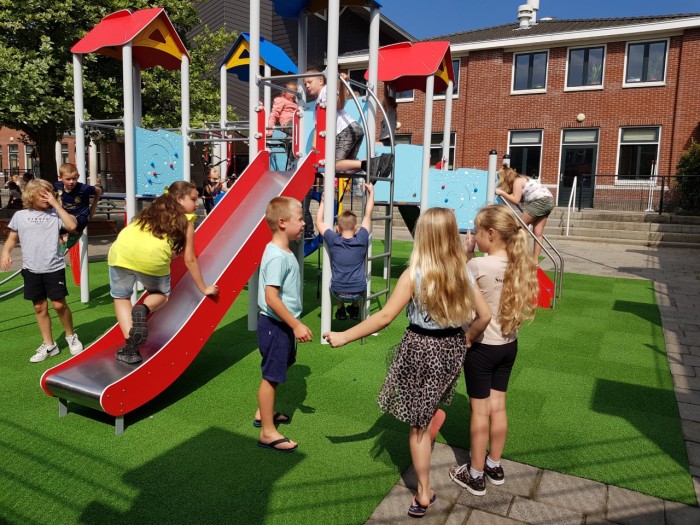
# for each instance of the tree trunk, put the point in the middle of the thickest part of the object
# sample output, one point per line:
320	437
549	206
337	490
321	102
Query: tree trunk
46	144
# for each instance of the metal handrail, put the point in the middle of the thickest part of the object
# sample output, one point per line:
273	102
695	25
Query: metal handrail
9	278
558	268
571	204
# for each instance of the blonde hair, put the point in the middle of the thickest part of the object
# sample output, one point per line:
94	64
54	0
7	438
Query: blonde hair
520	288
67	169
347	221
33	190
280	208
506	178
446	292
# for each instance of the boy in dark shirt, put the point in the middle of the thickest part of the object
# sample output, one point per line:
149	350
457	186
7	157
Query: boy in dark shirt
75	199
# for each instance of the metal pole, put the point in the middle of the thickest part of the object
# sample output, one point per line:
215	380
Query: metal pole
329	177
223	116
185	86
129	152
138	110
427	140
253	99
80	163
267	96
491	178
446	142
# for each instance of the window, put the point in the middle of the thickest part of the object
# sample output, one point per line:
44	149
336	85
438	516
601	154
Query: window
358	75
29	157
436	149
585	67
13	157
404	96
646	62
455	89
1	166
525	149
530	71
64	153
639	150
404	138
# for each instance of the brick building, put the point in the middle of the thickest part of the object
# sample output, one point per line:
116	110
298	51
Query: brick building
568	97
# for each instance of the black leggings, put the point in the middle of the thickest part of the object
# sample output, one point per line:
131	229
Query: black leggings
488	367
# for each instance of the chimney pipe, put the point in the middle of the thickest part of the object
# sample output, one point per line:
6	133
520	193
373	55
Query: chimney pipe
535	4
524	15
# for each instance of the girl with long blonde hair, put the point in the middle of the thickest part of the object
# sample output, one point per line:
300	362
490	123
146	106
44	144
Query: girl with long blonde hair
437	292
508	280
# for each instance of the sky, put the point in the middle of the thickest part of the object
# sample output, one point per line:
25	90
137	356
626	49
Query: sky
424	19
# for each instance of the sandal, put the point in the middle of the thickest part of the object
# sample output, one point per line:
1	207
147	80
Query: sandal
279	419
416	510
273	445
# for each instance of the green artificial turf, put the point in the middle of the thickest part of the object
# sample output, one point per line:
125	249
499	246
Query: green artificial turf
591	395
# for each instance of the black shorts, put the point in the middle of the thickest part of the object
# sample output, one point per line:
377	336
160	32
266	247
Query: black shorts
39	286
488	367
278	348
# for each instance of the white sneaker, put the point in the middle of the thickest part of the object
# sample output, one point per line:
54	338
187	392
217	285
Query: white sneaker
74	344
44	351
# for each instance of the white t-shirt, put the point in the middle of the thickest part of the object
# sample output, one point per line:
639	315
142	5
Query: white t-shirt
343	119
38	233
489	272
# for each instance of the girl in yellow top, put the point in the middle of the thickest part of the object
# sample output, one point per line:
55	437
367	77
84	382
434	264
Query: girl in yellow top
143	251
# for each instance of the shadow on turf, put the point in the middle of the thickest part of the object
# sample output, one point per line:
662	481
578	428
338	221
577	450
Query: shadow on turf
214	477
648	312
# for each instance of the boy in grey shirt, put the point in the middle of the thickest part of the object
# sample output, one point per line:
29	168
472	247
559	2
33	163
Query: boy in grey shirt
43	267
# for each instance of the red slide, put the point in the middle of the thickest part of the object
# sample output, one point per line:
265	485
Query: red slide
229	244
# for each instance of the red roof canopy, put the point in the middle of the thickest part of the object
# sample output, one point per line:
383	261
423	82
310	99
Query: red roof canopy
407	66
153	37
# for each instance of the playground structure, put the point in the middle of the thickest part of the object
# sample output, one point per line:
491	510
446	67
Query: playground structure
156	158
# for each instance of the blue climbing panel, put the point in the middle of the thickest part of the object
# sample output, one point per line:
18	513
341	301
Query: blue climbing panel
158	161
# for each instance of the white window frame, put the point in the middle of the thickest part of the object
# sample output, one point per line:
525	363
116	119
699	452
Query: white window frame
400	100
543	89
566	72
350	70
626	182
451	152
626	84
541	145
455	89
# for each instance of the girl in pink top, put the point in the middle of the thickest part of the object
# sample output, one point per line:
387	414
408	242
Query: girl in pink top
283	108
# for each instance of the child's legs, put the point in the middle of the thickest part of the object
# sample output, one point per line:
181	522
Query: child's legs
499	424
64	314
122	309
278	350
479	431
41	312
421	449
155	301
347	145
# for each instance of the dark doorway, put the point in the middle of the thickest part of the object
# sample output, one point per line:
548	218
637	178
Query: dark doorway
577	162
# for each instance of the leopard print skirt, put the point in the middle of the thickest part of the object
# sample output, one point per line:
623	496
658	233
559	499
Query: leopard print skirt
423	373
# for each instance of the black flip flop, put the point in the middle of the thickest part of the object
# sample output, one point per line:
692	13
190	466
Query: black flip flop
258	424
273	445
416	510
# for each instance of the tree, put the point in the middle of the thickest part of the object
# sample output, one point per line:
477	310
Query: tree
688	178
36	73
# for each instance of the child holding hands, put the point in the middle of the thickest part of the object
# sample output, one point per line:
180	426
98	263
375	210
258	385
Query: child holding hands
279	327
143	251
43	266
508	280
437	292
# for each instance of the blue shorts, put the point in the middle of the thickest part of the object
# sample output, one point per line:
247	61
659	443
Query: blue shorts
122	281
278	348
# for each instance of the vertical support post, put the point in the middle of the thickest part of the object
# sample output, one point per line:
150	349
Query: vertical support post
491	178
62	407
185	111
329	176
118	425
267	96
427	139
92	162
138	109
253	100
222	148
129	135
446	143
80	163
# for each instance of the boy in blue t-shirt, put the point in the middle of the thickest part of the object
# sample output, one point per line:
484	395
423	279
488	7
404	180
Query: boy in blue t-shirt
75	199
348	250
279	327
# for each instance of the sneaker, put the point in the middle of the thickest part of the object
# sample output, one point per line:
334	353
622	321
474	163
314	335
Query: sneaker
44	351
129	354
381	166
139	328
341	314
74	344
495	475
353	312
460	475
